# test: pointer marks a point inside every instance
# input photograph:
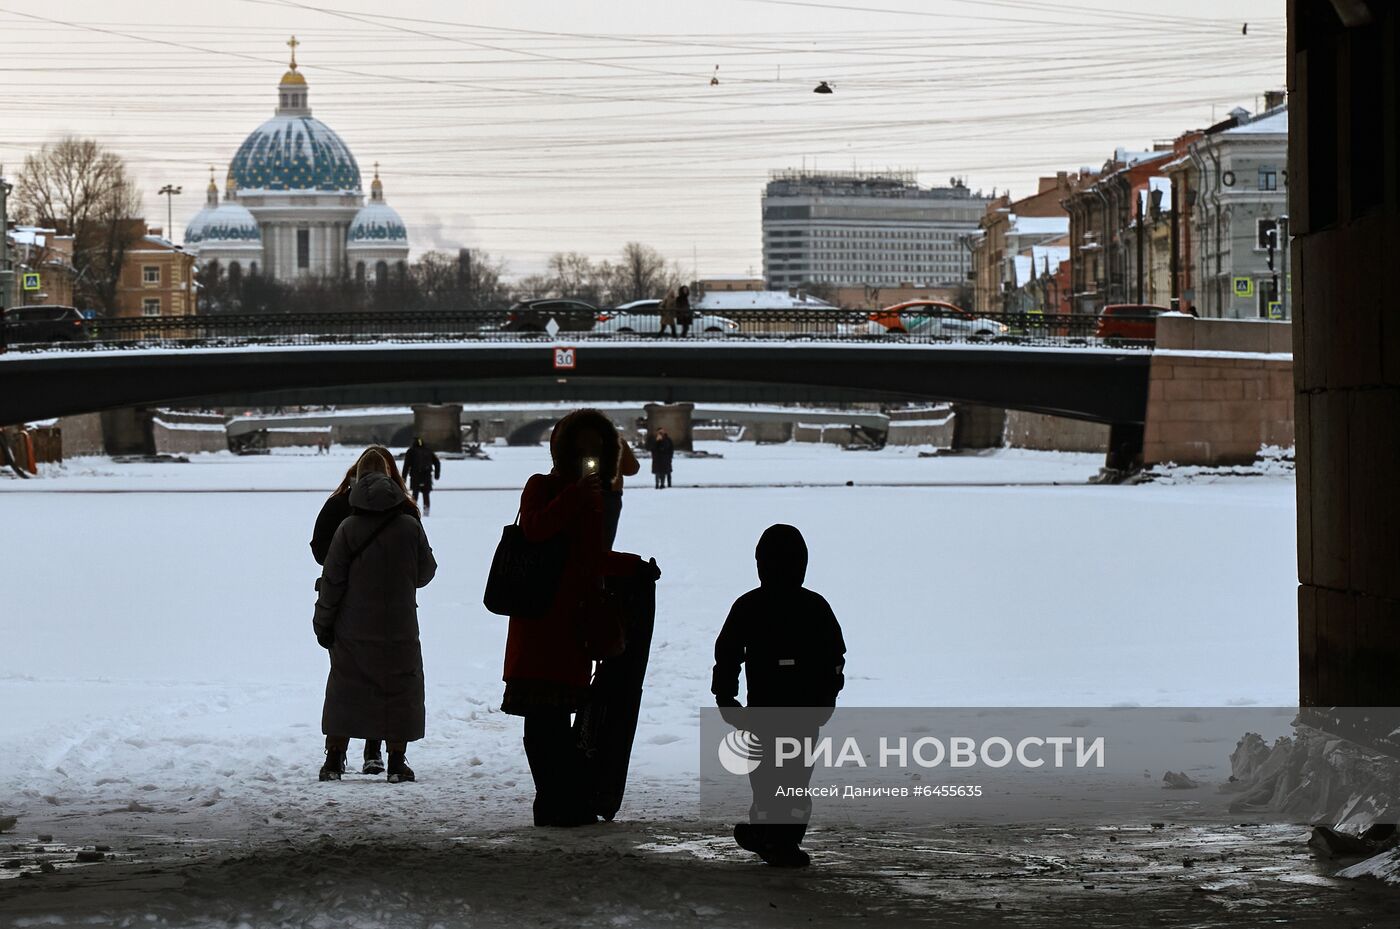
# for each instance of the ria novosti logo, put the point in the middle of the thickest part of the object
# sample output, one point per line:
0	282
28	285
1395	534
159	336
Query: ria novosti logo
740	752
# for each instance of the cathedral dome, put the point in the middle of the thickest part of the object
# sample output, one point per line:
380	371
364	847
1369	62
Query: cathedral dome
227	223
289	153
377	224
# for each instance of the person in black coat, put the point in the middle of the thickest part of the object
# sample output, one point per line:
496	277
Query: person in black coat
790	644
367	618
420	468
335	511
663	449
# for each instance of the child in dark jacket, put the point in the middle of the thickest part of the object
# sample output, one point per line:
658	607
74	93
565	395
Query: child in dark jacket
790	644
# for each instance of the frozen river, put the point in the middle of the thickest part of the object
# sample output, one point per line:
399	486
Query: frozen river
159	674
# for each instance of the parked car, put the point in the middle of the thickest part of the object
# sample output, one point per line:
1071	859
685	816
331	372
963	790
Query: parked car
934	318
45	323
1129	322
645	316
568	315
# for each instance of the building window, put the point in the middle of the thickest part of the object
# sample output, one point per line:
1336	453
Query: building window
150	274
150	306
1268	178
303	248
359	272
235	274
381	273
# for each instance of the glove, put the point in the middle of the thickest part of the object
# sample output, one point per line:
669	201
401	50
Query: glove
731	711
648	571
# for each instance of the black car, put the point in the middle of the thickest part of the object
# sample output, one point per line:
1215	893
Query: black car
44	324
569	315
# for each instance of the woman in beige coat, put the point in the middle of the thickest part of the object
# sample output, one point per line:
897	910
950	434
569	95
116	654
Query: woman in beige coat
668	312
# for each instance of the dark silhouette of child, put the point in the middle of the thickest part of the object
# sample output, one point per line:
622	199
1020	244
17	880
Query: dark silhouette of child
790	644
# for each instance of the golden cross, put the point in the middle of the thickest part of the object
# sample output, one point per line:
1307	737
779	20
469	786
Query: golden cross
376	169
292	43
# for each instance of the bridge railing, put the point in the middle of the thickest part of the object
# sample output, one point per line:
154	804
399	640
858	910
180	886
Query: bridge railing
855	326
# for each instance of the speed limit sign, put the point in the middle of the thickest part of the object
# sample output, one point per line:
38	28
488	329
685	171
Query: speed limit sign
565	359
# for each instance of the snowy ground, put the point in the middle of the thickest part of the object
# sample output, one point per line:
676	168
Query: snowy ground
161	688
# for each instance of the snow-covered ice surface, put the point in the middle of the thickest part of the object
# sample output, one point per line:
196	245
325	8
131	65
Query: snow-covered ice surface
161	687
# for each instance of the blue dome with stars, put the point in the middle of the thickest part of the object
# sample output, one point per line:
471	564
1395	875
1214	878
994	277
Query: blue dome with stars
295	153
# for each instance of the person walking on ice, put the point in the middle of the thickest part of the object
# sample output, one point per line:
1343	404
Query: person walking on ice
790	644
420	468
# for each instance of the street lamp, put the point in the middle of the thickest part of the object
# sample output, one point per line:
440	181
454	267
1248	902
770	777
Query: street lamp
169	191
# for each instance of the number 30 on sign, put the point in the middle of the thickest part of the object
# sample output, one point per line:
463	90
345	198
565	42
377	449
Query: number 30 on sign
565	358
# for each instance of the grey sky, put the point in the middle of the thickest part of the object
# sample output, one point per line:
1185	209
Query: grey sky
528	127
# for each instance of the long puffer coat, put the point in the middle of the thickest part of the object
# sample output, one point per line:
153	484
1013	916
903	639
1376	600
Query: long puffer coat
368	611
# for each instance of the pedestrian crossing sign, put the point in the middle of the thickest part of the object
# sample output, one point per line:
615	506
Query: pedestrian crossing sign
29	280
1244	287
1275	309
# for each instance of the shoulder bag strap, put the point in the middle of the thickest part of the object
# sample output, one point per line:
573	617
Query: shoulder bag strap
365	544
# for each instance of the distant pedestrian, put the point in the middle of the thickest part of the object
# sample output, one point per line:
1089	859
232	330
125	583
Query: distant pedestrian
790	644
683	314
663	449
547	663
667	310
367	618
420	468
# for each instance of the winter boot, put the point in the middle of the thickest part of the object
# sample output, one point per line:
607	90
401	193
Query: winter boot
374	762
399	771
785	856
334	766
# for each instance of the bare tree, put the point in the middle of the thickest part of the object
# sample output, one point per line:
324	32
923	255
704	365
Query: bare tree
468	280
83	189
643	273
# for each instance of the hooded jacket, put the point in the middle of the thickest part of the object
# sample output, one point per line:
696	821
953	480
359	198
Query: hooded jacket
367	610
548	648
786	636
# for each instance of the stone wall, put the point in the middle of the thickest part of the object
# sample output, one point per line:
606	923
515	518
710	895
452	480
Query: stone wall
82	434
1054	433
188	433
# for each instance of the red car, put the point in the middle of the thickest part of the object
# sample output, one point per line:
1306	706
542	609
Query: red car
1130	322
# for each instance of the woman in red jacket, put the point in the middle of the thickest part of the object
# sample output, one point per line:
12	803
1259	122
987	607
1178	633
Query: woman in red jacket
546	668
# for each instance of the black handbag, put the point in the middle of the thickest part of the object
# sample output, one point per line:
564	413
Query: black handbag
524	575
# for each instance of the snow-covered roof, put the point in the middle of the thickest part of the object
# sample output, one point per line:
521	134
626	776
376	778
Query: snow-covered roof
1274	122
1124	156
31	235
758	299
1038	225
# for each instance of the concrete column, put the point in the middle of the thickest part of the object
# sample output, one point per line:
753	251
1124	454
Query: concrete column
677	419
128	432
977	426
439	425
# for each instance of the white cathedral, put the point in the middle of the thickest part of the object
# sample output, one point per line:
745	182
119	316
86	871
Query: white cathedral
293	204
